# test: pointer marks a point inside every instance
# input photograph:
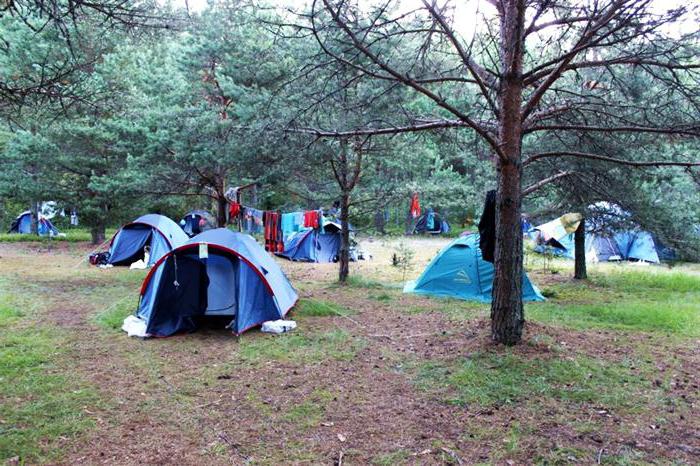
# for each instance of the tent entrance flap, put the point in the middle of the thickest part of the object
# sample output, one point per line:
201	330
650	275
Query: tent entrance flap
128	245
181	296
222	293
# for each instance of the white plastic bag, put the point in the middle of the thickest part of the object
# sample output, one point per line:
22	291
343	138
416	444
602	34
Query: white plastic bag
135	327
278	326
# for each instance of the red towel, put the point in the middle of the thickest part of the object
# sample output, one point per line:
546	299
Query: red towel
311	219
273	234
234	209
415	206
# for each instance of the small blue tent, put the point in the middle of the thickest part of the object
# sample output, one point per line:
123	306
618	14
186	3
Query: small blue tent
216	273
432	223
636	245
624	244
314	245
459	272
197	221
23	224
157	231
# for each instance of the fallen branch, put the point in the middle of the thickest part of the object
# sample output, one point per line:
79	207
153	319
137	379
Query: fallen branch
452	455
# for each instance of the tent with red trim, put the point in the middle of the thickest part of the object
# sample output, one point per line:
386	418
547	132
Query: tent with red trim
157	232
216	273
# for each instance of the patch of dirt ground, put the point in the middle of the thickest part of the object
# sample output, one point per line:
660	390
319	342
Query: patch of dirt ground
195	400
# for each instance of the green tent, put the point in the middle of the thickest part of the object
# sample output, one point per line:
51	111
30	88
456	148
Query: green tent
459	272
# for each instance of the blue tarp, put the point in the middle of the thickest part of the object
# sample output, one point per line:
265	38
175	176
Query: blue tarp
157	231
458	271
237	279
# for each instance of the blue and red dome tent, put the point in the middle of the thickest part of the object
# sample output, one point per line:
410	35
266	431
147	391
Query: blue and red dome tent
216	273
156	231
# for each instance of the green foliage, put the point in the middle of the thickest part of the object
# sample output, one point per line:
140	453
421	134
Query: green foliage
403	259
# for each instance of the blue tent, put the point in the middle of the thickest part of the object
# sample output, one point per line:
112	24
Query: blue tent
635	245
216	273
23	224
623	244
197	221
432	223
314	245
459	272
157	231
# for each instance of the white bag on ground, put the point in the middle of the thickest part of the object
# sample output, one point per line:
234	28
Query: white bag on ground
278	326
135	327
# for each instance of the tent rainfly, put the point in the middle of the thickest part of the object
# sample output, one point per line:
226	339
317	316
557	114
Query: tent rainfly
458	271
156	231
315	245
217	273
625	244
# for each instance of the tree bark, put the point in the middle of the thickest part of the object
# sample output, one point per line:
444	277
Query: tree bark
344	255
221	208
379	223
34	226
97	232
580	251
507	314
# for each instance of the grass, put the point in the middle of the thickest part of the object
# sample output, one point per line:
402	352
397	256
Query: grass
635	281
41	403
71	235
357	281
490	379
455	309
400	456
309	307
680	318
337	345
628	300
45	404
310	412
113	317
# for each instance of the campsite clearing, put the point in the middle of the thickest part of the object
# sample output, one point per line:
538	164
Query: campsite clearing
609	371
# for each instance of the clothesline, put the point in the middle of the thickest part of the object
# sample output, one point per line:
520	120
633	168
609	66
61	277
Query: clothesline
276	226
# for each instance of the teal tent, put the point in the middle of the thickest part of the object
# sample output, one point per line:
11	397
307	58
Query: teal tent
459	272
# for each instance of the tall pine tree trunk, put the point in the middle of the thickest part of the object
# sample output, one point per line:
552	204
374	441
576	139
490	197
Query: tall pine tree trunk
507	314
580	272
344	256
97	233
34	225
379	221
